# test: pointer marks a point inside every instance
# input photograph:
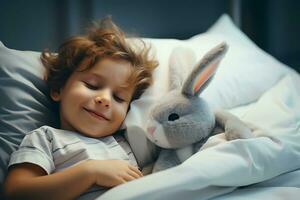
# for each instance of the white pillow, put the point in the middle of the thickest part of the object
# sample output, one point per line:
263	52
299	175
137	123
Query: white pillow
245	73
24	103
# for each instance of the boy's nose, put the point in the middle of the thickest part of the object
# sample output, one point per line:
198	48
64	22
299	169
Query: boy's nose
104	99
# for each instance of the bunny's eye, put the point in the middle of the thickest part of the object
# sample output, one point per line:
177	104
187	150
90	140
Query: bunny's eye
173	117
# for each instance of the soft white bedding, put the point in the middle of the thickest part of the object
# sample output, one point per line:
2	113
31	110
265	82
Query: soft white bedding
283	187
247	75
220	169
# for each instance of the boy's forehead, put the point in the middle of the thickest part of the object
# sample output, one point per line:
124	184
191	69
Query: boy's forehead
118	71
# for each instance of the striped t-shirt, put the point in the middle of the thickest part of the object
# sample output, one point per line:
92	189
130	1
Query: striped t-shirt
55	149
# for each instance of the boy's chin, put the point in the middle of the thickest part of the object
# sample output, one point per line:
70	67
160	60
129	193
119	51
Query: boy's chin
94	133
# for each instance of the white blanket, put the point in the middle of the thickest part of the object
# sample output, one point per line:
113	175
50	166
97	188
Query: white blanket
265	166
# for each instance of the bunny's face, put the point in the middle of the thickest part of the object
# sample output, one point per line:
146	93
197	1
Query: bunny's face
177	120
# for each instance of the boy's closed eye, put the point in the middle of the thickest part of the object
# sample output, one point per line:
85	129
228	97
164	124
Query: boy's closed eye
119	99
91	86
94	86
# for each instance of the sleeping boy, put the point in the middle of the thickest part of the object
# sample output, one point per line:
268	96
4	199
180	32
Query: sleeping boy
93	78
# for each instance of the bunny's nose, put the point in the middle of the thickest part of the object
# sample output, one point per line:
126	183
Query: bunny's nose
151	130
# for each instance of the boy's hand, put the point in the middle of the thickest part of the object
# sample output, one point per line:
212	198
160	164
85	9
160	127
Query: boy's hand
110	173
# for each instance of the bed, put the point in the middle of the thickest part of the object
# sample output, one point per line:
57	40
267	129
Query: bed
250	83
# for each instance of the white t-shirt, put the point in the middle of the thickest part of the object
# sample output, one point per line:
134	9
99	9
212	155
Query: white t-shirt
55	149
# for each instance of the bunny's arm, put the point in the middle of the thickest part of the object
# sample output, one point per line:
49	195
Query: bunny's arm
166	159
234	128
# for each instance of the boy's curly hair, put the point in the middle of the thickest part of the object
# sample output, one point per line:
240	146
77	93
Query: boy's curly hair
103	40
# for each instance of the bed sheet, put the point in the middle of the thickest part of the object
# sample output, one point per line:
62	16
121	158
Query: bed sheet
264	167
283	187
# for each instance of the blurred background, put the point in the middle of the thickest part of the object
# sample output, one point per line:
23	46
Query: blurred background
274	25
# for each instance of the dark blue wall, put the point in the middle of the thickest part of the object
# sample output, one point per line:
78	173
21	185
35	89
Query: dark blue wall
28	24
36	24
39	24
275	26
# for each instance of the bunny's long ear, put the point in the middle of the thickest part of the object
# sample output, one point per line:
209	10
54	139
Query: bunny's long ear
181	61
204	70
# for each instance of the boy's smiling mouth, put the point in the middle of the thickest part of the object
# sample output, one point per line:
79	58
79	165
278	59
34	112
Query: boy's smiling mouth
97	115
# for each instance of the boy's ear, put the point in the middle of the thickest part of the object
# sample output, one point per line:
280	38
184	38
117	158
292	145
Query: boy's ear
55	95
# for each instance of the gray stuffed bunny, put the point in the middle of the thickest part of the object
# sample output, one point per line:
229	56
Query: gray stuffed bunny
180	122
